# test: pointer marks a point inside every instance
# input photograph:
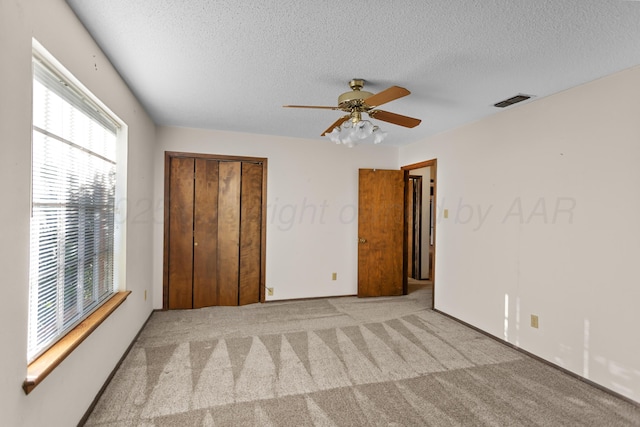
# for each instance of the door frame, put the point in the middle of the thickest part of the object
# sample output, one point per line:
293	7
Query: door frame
433	164
168	155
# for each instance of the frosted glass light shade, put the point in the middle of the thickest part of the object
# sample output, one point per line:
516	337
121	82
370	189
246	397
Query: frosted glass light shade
378	135
350	133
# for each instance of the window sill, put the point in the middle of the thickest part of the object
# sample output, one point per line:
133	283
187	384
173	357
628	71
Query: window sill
49	360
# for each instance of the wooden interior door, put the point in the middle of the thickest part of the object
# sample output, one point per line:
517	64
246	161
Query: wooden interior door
382	232
180	251
205	234
415	227
228	262
250	235
214	231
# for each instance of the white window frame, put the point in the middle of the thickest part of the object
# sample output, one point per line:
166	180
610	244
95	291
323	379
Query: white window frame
119	243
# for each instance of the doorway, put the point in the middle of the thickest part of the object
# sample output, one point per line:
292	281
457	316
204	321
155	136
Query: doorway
421	224
214	230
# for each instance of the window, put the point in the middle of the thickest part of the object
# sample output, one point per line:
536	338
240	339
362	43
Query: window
73	207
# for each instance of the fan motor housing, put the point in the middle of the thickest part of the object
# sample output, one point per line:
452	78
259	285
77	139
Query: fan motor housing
353	98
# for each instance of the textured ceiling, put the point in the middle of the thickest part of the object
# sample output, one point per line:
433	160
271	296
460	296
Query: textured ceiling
232	64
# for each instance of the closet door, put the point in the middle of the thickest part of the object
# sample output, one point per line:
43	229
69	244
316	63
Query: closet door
180	263
214	237
229	232
250	233
205	234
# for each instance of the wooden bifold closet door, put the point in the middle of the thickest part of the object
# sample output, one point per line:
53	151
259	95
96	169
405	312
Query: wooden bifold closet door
214	230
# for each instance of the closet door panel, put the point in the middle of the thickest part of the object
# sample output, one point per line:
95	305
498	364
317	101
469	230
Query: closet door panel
250	235
228	232
181	233
205	234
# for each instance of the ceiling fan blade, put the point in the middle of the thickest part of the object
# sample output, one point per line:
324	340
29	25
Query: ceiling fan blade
387	95
311	106
396	119
337	123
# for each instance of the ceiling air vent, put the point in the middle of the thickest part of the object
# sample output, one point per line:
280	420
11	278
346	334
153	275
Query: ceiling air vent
512	100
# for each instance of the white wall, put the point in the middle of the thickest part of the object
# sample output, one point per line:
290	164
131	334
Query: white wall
80	376
312	197
543	207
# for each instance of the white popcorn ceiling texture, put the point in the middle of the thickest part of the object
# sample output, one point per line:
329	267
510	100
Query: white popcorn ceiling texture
232	64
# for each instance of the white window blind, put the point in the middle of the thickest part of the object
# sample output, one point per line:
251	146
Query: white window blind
73	208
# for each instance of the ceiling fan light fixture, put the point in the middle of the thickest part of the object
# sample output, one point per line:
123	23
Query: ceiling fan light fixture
351	133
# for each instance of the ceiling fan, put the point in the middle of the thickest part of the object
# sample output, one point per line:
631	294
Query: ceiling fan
358	101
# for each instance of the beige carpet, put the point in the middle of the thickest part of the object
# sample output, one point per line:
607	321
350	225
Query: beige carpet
340	362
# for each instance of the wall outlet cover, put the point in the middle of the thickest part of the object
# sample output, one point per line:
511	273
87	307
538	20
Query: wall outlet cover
534	321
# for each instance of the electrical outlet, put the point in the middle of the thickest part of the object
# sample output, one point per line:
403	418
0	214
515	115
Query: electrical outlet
446	213
145	294
334	276
270	291
534	321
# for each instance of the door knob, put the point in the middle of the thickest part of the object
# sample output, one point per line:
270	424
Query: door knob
363	240
195	244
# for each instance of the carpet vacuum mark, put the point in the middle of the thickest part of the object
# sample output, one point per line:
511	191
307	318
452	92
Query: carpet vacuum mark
339	362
